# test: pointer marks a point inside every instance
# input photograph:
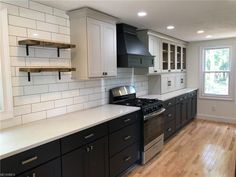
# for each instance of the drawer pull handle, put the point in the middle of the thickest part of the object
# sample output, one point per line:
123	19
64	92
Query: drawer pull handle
127	138
169	103
126	120
89	136
169	129
169	115
29	160
127	158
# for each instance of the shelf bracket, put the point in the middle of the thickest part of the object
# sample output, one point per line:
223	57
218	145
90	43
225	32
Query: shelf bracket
59	75
58	52
27	50
29	76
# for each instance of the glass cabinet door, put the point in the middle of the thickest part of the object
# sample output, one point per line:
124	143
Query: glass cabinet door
172	57
179	54
165	56
184	59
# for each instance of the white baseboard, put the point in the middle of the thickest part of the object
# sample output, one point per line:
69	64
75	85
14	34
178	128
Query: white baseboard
217	118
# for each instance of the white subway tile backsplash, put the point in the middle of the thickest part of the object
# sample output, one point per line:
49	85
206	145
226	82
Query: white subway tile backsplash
56	112
20	81
42	106
22	22
60	13
60	37
22	100
17	91
44	80
11	9
86	91
40	7
81	99
51	96
33	117
19	110
56	20
70	93
63	102
45	53
64	30
75	107
21	51
12	41
17	31
37	62
47	27
21	3
76	85
58	87
31	14
96	96
29	90
39	34
17	61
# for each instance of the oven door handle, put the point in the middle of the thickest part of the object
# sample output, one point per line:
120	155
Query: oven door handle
154	114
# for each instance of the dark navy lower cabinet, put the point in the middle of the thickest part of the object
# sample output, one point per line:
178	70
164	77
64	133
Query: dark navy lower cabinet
108	149
179	112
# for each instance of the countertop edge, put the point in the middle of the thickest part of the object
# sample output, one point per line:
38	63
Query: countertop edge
20	150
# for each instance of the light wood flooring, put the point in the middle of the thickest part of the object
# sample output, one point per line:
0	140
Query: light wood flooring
201	149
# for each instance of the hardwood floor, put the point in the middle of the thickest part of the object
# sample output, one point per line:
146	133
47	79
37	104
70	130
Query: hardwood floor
201	149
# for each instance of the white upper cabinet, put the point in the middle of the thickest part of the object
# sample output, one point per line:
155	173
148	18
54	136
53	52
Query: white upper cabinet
94	34
154	49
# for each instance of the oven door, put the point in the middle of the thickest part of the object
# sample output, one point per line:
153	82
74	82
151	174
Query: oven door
153	127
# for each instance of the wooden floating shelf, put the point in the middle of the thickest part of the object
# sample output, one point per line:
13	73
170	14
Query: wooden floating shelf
46	69
45	43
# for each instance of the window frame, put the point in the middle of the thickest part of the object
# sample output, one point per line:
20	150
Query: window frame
204	95
5	67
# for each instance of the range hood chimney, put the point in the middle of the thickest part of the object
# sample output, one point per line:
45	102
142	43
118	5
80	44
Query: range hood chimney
131	52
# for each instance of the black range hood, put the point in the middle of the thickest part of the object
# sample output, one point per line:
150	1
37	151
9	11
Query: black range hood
131	52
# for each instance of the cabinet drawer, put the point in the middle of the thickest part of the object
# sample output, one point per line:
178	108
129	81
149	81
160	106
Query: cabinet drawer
30	159
77	140
169	129
170	114
50	169
169	103
179	99
123	121
125	159
123	138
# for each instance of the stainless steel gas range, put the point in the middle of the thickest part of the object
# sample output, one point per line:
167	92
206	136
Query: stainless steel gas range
153	119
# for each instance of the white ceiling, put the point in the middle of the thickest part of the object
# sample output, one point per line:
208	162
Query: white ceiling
216	18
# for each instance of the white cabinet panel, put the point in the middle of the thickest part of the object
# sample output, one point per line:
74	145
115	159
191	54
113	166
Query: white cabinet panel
167	83
94	30
154	49
180	80
109	55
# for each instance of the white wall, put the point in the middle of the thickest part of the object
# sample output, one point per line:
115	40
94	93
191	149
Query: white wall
210	109
47	96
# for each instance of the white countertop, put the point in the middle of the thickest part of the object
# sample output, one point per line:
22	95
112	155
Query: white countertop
18	139
170	95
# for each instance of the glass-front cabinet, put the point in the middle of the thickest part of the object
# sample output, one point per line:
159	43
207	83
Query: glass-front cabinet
173	57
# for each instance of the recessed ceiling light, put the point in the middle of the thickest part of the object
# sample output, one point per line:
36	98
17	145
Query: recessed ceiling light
200	31
209	36
35	34
170	27
142	14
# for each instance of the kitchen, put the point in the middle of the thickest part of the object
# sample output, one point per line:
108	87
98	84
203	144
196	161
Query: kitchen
97	89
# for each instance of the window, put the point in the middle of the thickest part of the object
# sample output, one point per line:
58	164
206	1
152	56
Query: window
6	102
216	73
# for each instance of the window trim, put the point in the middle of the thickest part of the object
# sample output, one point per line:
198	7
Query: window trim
202	95
6	70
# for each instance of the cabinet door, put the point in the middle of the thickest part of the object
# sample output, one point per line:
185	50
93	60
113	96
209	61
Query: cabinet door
165	57
178	115
179	58
97	159
154	49
172	57
184	115
94	31
194	107
109	55
183	59
73	163
50	169
189	110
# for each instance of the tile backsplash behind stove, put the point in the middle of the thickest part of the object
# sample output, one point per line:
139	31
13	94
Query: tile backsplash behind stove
47	96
